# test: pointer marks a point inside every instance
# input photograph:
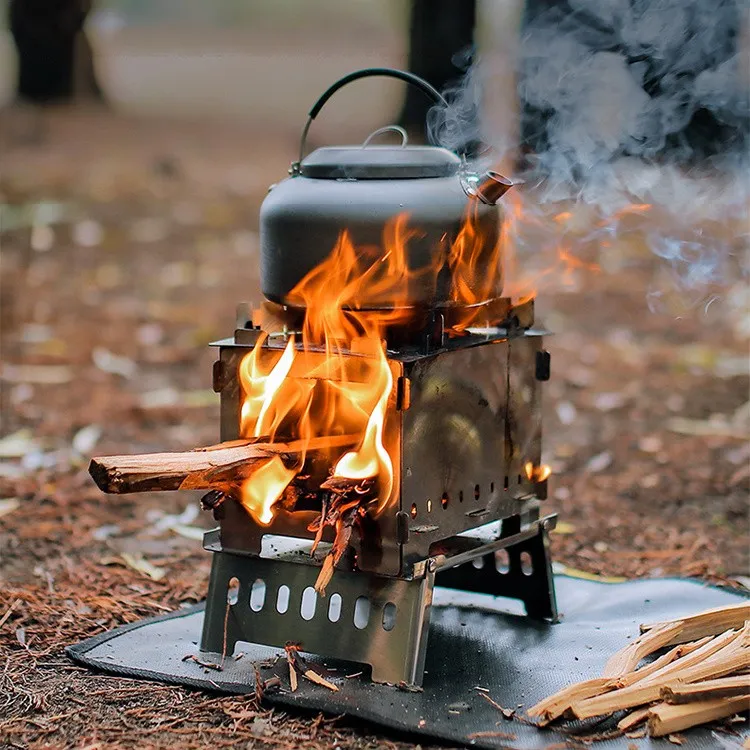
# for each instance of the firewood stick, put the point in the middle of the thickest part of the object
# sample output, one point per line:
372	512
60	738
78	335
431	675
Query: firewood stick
557	705
710	622
723	655
666	719
628	658
198	469
722	687
633	719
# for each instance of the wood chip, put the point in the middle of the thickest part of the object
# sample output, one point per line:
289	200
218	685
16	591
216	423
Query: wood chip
313	676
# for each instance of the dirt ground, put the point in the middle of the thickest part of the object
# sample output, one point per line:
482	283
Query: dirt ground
125	245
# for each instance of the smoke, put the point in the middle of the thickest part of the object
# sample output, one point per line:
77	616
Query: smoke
628	102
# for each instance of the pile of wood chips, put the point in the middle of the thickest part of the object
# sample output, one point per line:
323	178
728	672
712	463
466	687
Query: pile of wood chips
703	676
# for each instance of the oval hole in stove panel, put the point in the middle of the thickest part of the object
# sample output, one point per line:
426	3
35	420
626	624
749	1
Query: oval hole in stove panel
527	567
477	492
444	500
309	601
389	616
429	505
233	590
502	561
282	599
257	595
361	612
334	608
460	496
413	510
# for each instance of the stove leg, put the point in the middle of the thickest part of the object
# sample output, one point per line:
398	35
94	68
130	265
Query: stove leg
378	621
528	576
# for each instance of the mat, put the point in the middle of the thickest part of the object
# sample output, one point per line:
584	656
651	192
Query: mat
475	641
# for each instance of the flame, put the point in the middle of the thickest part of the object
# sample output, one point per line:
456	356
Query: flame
537	473
333	378
264	488
339	380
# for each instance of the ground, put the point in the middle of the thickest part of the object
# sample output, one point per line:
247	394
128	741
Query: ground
125	245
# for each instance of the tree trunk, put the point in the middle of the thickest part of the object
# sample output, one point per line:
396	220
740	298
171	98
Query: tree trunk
441	32
55	61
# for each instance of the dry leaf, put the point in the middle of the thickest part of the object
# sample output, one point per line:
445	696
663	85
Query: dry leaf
139	563
8	505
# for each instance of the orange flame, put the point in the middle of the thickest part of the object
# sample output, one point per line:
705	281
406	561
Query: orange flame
537	473
305	392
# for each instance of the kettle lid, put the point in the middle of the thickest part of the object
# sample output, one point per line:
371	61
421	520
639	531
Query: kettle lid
364	162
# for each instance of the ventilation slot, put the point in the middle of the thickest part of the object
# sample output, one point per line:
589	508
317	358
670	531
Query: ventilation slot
389	616
309	601
233	590
361	612
257	595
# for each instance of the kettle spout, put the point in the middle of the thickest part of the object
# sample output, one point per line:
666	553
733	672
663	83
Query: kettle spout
491	187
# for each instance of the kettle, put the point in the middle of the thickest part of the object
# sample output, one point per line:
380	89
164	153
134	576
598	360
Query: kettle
360	189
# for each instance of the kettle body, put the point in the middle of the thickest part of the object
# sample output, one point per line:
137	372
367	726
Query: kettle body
362	190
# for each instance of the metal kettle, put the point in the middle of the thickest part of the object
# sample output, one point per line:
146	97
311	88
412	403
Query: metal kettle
360	189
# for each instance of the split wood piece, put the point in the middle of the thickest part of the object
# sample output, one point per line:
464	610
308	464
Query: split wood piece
722	687
633	719
213	467
628	658
556	705
345	505
666	719
710	622
298	664
723	655
559	704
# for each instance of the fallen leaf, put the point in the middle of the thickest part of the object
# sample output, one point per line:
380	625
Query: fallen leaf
38	374
8	505
599	462
676	739
563	527
115	364
85	439
139	563
17	444
189	532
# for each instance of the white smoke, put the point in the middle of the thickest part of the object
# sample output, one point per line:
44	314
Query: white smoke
630	102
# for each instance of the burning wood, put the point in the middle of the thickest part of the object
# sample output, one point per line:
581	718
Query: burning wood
346	503
218	467
706	679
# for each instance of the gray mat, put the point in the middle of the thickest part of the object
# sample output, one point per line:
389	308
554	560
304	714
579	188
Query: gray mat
475	641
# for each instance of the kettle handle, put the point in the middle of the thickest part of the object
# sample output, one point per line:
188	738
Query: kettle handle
402	75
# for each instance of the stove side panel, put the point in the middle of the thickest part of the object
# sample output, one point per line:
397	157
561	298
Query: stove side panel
472	424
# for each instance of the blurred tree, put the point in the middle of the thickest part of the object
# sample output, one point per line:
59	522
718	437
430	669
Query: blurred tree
441	32
55	60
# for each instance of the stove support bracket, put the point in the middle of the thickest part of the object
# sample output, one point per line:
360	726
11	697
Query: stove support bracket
364	618
527	576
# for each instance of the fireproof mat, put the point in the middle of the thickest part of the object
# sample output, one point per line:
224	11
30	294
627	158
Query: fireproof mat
474	641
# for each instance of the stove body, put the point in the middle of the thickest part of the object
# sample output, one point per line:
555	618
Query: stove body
464	430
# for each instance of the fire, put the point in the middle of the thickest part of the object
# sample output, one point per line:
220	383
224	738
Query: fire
333	378
264	488
338	381
537	473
